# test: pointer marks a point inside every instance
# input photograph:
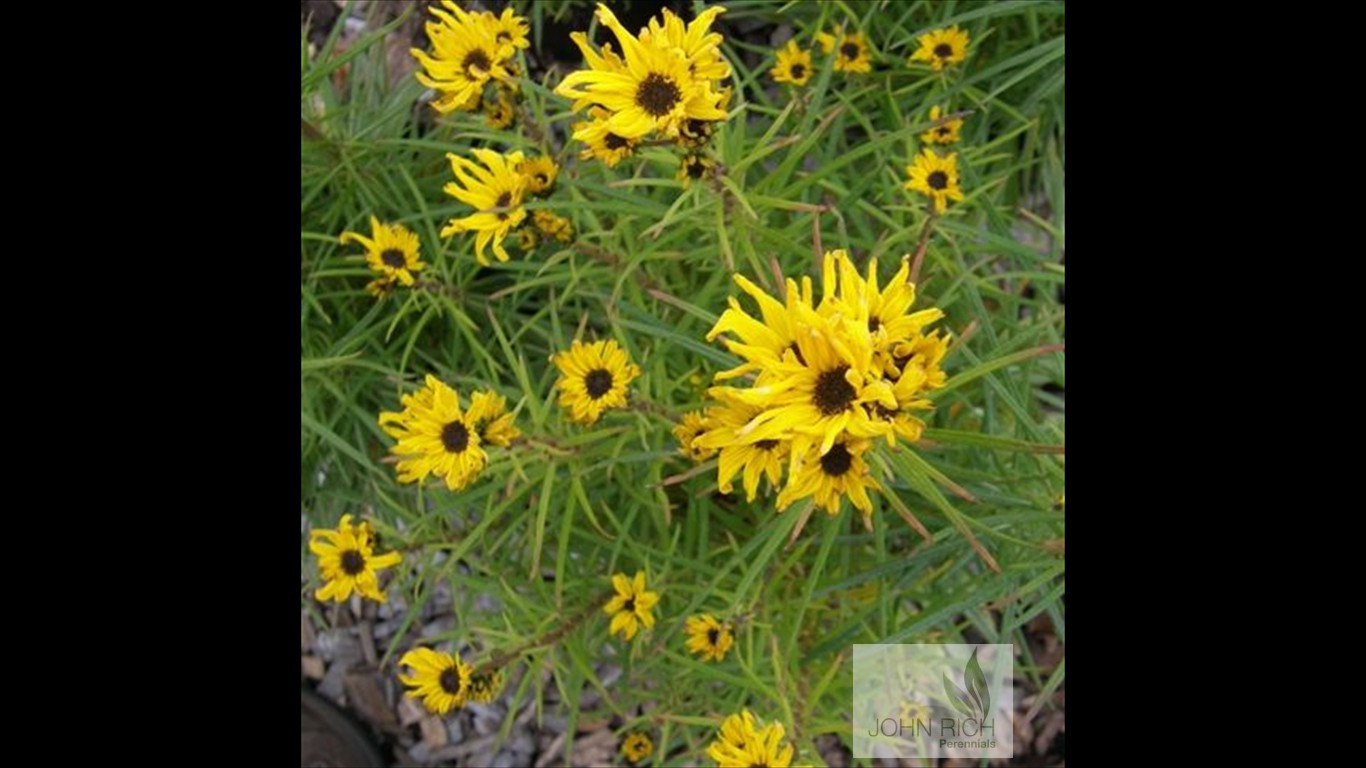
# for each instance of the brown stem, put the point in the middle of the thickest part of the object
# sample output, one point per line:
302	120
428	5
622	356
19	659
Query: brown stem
501	658
923	244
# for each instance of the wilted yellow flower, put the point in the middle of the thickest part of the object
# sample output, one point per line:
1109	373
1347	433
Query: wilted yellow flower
553	225
693	167
540	174
944	133
500	112
689	427
495	190
637	746
484	686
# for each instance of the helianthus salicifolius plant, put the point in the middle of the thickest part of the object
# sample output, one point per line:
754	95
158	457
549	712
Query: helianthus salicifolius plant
944	133
593	379
793	66
941	48
631	607
435	436
347	561
439	679
391	251
540	173
935	177
494	187
687	429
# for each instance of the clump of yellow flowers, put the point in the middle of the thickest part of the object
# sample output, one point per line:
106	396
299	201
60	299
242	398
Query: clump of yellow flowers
822	380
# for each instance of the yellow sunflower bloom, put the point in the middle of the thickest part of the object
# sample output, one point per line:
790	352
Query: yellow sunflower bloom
831	476
709	638
380	287
942	47
739	730
484	686
637	746
852	51
553	225
391	251
441	680
603	145
488	413
689	427
763	344
694	167
510	29
762	746
655	91
752	461
495	190
631	605
886	312
936	178
944	133
699	45
435	437
915	712
466	56
540	173
593	379
347	562
794	65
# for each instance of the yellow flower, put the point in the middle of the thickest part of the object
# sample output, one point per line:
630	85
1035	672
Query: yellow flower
500	113
495	190
527	239
690	426
915	712
347	562
540	174
603	145
655	91
380	287
853	55
593	379
941	47
488	413
466	56
739	730
441	680
794	65
831	476
630	606
944	133
637	746
391	251
484	686
694	167
435	437
750	460
699	45
509	28
553	225
762	746
936	178
883	311
709	638
764	344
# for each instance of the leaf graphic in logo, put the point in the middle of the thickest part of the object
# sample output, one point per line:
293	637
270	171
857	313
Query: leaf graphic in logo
977	685
957	696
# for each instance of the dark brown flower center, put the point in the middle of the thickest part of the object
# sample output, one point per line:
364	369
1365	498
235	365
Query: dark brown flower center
766	445
504	37
352	562
476	60
942	130
502	202
713	635
657	94
837	461
874	323
696	168
943	50
938	180
613	141
455	437
833	394
451	682
542	178
630	605
849	50
597	382
798	70
393	257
